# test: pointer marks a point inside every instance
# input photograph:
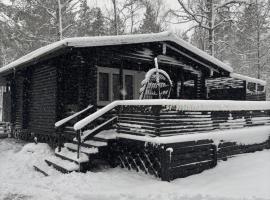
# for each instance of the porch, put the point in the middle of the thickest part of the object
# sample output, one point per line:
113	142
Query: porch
167	138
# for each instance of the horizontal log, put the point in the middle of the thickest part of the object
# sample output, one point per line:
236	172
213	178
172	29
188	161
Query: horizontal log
134	133
203	157
141	123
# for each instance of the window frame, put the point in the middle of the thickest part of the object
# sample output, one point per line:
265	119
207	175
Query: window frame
110	71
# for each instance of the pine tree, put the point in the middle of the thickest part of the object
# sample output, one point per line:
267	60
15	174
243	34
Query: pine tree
150	24
98	24
252	36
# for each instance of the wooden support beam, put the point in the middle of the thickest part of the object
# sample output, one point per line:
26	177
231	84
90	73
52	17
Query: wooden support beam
121	81
192	58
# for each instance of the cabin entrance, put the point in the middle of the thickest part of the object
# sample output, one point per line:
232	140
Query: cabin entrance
109	84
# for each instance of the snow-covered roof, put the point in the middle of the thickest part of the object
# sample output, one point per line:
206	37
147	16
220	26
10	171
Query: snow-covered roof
113	40
247	78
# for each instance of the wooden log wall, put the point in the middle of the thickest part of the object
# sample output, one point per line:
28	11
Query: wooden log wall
186	158
228	149
7	106
138	120
256	97
160	121
225	88
42	107
18	100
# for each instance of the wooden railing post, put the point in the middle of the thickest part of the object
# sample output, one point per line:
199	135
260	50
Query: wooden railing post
79	147
165	164
79	143
60	139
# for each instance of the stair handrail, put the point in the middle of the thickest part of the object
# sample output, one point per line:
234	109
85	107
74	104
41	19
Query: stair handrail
87	120
69	118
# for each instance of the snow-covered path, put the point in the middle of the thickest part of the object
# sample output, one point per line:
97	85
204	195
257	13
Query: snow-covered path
243	177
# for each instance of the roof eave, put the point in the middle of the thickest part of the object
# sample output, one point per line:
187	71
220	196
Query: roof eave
32	57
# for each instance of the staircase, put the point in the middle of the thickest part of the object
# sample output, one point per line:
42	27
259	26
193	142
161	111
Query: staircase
80	153
67	160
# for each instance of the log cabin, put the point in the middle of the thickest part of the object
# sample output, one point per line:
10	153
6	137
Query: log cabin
70	93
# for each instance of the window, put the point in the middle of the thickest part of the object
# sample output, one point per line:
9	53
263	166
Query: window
251	87
103	86
260	88
129	86
116	86
108	84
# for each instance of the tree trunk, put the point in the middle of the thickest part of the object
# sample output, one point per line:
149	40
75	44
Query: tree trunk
258	42
211	27
115	17
60	20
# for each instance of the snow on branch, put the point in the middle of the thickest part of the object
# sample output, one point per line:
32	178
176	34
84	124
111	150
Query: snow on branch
225	4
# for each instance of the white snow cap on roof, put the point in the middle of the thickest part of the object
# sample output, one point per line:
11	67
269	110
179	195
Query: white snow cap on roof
247	78
114	40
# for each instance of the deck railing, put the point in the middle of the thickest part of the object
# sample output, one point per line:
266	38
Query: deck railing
170	117
60	125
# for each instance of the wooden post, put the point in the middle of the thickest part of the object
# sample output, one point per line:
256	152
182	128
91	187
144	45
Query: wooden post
60	141
165	164
79	143
121	81
157	77
79	147
215	154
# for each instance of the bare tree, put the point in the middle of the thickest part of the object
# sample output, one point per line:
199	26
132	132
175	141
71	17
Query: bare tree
206	14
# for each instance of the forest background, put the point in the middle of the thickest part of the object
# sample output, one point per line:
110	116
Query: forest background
235	31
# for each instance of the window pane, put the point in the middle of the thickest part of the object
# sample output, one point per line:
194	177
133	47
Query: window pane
103	86
260	88
251	87
116	87
129	86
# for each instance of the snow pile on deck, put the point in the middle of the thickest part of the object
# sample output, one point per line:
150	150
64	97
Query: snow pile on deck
243	177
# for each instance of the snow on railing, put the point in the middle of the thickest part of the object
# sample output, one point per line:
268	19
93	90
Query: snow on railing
184	105
82	123
67	119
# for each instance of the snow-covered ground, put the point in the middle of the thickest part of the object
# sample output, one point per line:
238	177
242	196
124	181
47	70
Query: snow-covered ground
243	177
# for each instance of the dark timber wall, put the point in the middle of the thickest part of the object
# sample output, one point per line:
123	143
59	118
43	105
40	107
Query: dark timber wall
42	108
19	101
33	94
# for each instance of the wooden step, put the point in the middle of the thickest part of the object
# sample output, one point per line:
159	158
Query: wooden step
106	135
45	169
92	143
61	165
71	156
74	147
